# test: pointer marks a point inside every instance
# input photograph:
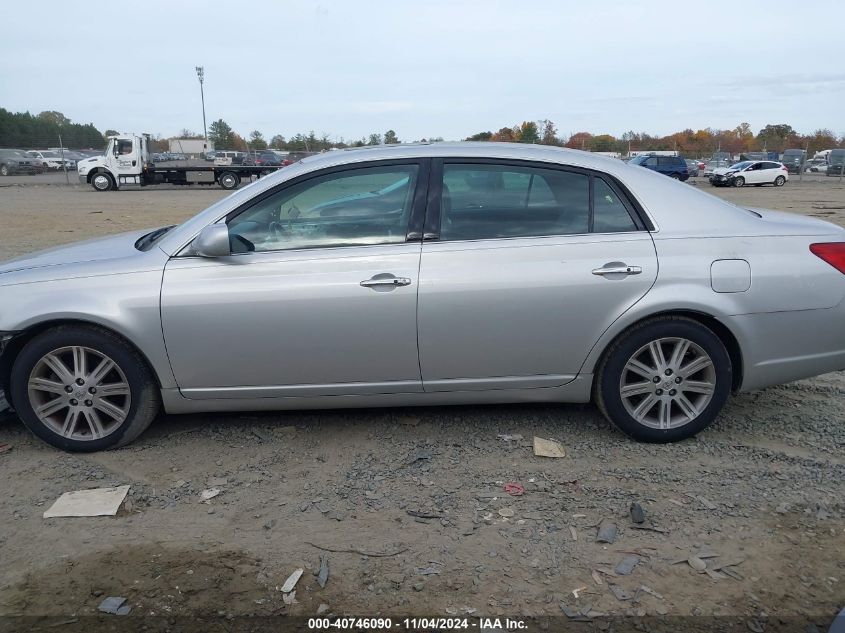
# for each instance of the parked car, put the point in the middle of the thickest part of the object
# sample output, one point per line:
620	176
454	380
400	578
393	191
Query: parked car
267	159
52	160
816	165
692	167
793	160
363	278
836	162
228	157
712	165
16	161
672	166
750	172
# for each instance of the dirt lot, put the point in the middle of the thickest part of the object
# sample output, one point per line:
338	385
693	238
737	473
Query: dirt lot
408	505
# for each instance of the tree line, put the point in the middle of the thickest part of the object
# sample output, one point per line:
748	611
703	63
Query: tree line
700	143
26	131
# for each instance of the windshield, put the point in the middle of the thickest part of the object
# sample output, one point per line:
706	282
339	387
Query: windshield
837	157
638	160
742	165
49	154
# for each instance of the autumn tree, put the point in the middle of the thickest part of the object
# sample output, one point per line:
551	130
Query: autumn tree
528	132
549	133
505	135
579	140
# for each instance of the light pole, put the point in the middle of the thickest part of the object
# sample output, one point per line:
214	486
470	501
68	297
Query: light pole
201	77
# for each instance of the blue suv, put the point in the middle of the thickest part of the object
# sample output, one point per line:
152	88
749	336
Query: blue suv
672	166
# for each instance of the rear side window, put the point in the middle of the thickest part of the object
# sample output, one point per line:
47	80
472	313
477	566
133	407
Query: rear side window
502	201
609	212
494	201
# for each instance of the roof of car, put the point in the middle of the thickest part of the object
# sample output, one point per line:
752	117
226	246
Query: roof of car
467	149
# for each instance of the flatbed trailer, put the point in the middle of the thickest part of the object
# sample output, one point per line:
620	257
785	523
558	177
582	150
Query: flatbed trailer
127	161
227	176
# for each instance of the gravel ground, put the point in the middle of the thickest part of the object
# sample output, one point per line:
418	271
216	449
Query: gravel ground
409	506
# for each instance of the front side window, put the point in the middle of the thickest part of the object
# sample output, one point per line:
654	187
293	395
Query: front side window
124	146
355	207
497	201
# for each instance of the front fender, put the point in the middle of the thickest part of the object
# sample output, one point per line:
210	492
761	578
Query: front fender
126	303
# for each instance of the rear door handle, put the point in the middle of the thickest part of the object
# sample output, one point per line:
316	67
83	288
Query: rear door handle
385	279
615	268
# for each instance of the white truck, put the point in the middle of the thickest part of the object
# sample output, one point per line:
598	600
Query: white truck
127	161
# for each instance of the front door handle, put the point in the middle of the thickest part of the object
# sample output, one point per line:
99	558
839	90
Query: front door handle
385	279
617	268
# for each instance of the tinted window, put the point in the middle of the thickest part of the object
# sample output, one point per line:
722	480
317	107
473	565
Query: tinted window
651	161
771	166
609	213
350	208
495	201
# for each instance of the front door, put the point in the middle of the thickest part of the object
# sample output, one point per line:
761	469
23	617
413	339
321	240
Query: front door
318	297
125	161
531	266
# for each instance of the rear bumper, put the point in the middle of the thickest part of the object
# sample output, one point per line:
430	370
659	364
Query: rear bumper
779	347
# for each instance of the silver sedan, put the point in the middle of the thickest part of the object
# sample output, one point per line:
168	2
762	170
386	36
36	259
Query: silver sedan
426	275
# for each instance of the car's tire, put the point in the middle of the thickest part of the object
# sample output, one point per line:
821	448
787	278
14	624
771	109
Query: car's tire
4	170
681	403
779	181
229	180
123	403
739	181
675	176
102	181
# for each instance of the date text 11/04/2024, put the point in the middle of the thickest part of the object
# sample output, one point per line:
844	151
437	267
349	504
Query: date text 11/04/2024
383	624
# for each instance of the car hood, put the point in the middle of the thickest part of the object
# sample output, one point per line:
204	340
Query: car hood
722	171
96	250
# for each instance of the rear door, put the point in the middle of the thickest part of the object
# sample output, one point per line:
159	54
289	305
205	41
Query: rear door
525	265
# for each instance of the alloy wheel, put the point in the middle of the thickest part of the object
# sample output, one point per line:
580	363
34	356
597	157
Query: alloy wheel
79	393
667	383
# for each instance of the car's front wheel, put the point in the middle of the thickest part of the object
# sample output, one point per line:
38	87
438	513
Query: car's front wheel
664	380
83	389
739	181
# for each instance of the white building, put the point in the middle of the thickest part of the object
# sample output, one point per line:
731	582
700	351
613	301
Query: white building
195	146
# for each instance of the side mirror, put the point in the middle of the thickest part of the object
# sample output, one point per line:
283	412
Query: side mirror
213	241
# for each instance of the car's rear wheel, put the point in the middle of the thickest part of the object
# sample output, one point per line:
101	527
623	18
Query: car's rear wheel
4	170
779	181
102	182
739	181
675	176
83	389
664	380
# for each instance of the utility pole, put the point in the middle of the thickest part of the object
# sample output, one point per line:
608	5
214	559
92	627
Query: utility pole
201	77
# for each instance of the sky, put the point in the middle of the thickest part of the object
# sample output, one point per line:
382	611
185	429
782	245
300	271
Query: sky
445	68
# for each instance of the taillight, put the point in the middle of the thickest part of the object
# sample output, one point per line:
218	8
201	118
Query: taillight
831	252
